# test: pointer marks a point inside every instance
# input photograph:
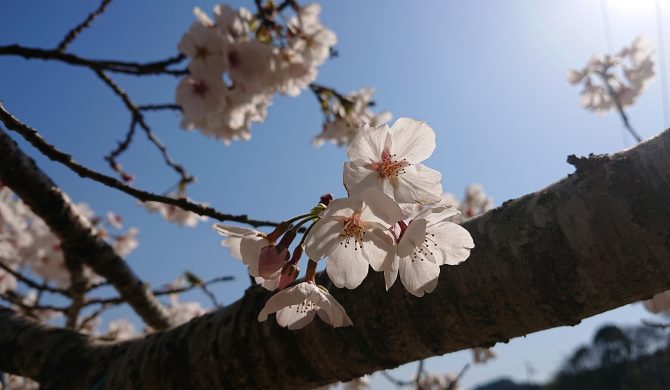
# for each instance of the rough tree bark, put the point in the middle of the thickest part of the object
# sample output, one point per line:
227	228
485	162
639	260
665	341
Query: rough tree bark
596	240
79	240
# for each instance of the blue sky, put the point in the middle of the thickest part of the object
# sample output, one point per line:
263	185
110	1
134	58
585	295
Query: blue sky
488	76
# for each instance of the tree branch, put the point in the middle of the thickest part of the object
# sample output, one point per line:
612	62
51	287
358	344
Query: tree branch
125	67
34	138
74	33
78	238
591	242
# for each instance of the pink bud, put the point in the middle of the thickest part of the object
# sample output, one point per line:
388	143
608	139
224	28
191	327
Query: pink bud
288	275
271	259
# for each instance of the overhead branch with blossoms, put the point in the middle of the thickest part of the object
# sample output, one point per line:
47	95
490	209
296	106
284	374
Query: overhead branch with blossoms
615	81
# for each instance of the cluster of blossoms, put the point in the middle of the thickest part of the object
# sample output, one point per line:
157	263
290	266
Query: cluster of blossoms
617	79
27	242
239	61
366	229
344	115
174	214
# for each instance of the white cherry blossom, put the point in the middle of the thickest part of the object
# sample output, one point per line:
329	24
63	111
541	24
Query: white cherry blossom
198	95
352	233
391	160
174	214
428	242
246	244
297	306
206	47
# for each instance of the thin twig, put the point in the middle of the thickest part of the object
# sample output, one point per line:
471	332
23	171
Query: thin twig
95	314
137	116
162	292
395	381
72	34
127	67
31	283
158	107
122	147
419	371
34	138
617	102
17	300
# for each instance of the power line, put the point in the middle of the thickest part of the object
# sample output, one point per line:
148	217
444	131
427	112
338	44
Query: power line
606	24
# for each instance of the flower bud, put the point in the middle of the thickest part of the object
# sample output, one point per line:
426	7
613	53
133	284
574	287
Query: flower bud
271	259
288	275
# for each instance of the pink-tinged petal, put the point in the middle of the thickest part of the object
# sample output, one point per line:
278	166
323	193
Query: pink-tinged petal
412	140
357	176
294	317
291	296
323	237
437	214
414	236
418	276
346	266
378	248
271	259
368	143
391	271
268	284
453	242
421	183
380	208
250	248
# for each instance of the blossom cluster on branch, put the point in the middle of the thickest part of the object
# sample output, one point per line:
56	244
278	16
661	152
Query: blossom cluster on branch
366	229
239	61
27	242
615	79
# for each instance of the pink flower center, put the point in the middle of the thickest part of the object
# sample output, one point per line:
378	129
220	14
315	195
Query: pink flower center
354	229
389	166
199	87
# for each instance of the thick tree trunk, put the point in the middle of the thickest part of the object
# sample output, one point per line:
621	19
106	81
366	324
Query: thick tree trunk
596	240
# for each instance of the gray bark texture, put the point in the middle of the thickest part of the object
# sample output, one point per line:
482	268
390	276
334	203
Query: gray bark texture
594	241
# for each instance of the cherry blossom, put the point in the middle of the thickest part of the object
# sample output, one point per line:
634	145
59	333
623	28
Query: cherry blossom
174	214
616	78
352	233
182	312
297	306
428	242
205	46
120	329
349	114
246	244
391	160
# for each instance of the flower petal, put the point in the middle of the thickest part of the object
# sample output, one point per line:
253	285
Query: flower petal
323	237
357	175
368	143
453	242
380	208
294	317
346	266
418	276
288	297
414	236
412	140
377	247
421	183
